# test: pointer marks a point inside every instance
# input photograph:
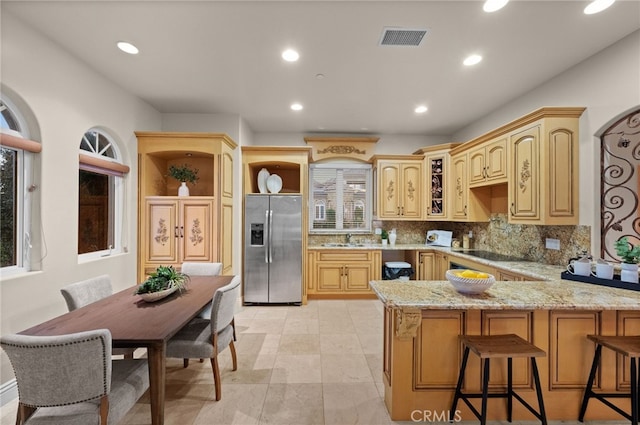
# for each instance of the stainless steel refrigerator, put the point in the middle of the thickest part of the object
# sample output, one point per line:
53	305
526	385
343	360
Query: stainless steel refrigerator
273	249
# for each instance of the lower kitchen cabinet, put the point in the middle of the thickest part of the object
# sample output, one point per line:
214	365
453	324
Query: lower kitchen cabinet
343	273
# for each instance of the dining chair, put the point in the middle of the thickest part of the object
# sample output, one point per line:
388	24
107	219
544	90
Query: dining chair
89	291
192	268
201	339
70	379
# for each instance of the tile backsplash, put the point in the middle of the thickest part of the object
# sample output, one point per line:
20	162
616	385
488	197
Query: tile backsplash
526	241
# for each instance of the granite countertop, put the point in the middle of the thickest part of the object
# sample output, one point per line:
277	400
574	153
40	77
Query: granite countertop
526	268
556	294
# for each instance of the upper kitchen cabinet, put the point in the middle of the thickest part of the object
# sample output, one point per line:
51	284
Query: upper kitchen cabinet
211	218
488	162
437	166
291	164
467	204
399	186
543	175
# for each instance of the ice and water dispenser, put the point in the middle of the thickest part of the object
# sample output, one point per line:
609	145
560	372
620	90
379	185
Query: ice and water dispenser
257	234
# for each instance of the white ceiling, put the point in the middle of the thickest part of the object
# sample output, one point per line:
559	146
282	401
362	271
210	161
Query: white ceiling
224	56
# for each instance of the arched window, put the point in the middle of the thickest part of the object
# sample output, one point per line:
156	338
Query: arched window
101	199
17	159
320	211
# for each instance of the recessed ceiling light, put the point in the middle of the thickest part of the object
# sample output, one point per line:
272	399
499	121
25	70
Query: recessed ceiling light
290	55
127	47
472	60
421	109
296	107
597	6
493	5
319	76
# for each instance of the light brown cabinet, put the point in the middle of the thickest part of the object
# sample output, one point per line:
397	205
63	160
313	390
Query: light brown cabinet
343	273
399	187
468	204
437	166
178	230
543	181
206	216
488	163
426	263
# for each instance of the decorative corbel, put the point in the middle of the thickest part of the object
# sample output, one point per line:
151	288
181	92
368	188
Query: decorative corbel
408	321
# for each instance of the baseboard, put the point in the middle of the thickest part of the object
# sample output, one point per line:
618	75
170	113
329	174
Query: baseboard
8	392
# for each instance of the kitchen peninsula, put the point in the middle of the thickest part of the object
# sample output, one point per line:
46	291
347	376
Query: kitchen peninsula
422	353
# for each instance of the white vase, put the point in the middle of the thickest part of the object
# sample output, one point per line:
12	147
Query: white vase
183	190
263	175
629	272
392	239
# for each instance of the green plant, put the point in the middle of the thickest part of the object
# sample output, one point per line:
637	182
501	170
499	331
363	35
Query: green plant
627	252
183	173
164	277
384	234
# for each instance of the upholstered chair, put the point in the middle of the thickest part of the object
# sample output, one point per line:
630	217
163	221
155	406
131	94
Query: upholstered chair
71	379
206	339
202	269
89	291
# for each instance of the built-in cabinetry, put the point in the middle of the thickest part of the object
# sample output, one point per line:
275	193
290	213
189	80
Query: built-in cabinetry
292	165
527	169
543	182
437	167
467	204
488	163
399	186
174	229
342	273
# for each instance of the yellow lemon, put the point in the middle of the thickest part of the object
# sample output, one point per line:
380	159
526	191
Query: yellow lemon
468	273
481	275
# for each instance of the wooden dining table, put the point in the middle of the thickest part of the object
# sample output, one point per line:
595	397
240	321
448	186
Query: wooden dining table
136	323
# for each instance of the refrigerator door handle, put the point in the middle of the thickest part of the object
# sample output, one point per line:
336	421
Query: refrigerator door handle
270	236
266	248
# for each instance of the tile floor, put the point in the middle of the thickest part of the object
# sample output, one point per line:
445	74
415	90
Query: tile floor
315	364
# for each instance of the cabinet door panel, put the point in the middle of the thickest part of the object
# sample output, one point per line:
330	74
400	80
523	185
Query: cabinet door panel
628	324
195	231
437	186
438	350
329	277
411	185
561	173
459	187
389	191
524	186
496	160
426	265
161	233
570	352
509	322
476	166
357	277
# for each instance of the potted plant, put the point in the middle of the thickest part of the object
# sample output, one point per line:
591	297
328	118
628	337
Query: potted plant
630	256
162	282
183	173
384	236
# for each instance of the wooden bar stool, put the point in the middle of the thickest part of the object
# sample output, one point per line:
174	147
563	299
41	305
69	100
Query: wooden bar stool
628	346
498	346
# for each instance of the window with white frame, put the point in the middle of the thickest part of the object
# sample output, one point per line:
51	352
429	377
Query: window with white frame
341	196
101	198
16	174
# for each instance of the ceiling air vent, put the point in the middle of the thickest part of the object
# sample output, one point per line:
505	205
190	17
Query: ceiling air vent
401	36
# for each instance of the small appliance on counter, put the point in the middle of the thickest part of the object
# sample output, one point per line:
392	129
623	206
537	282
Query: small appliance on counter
439	237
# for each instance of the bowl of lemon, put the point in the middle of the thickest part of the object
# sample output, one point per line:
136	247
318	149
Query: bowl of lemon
470	281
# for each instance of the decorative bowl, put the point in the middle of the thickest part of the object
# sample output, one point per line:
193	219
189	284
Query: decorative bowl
263	175
274	183
157	296
467	285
